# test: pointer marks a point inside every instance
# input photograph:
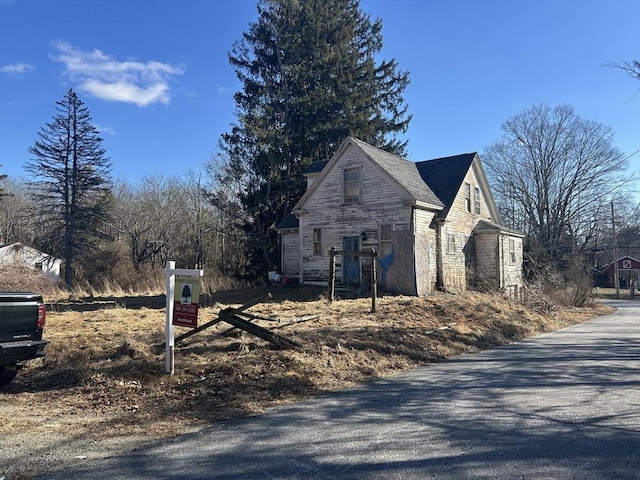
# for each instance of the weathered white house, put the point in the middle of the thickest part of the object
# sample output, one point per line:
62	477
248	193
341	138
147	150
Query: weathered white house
21	254
434	224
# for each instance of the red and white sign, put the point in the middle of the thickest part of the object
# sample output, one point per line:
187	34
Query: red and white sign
185	302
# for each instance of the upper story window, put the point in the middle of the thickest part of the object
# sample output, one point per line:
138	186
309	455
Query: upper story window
317	241
386	243
512	251
476	200
352	179
467	196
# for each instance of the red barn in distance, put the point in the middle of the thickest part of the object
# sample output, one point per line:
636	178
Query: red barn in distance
628	271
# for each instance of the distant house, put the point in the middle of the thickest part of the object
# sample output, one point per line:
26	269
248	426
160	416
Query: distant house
628	271
21	254
434	224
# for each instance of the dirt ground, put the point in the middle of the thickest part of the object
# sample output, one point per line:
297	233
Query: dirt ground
101	388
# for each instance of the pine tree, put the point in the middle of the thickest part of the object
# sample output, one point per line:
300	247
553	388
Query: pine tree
71	182
310	77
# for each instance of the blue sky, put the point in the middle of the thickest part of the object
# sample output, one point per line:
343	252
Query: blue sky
155	77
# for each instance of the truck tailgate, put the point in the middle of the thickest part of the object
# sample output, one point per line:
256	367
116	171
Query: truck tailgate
19	316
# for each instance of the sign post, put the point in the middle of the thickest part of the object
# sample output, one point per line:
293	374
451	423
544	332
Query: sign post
186	317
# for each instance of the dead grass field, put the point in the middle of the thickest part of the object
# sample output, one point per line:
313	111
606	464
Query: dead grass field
103	374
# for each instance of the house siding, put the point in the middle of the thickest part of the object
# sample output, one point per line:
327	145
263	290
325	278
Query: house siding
511	271
381	203
425	252
452	249
19	253
458	267
487	257
290	254
494	267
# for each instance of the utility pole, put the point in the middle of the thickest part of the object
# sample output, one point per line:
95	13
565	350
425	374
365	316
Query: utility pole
616	277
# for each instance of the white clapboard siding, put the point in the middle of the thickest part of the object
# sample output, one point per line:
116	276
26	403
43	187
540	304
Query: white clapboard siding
421	259
461	223
290	254
382	202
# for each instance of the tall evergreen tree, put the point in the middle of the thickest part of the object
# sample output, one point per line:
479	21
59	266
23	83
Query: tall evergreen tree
310	77
71	181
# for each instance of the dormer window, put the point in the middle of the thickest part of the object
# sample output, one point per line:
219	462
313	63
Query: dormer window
352	178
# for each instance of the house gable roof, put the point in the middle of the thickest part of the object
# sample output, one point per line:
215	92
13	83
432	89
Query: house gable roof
8	249
404	172
487	226
635	263
445	175
398	170
432	183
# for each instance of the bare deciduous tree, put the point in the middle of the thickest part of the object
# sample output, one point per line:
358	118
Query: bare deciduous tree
630	68
551	172
14	223
2	189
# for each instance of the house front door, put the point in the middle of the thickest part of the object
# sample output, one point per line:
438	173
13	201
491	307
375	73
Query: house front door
351	261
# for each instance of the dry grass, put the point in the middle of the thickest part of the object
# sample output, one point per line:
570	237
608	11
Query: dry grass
103	374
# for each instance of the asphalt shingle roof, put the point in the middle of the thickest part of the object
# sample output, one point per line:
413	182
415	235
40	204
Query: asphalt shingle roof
289	221
316	167
403	171
445	175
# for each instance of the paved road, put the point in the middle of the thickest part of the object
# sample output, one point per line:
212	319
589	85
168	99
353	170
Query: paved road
564	405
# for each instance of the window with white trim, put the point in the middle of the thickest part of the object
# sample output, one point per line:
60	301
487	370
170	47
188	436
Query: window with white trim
512	251
476	200
352	178
467	196
317	241
386	243
451	243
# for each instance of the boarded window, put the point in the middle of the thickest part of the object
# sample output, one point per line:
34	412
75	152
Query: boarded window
451	243
467	196
317	241
512	251
476	200
352	179
386	243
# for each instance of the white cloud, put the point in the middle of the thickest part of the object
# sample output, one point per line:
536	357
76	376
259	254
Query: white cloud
106	129
17	69
141	83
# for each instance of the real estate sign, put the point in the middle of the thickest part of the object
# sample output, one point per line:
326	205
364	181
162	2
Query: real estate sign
185	301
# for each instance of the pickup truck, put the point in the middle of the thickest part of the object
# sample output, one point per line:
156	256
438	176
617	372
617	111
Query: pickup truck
22	319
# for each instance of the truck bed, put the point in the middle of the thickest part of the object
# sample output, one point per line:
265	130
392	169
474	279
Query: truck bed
19	316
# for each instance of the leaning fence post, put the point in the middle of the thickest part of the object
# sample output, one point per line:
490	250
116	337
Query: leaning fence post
332	272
